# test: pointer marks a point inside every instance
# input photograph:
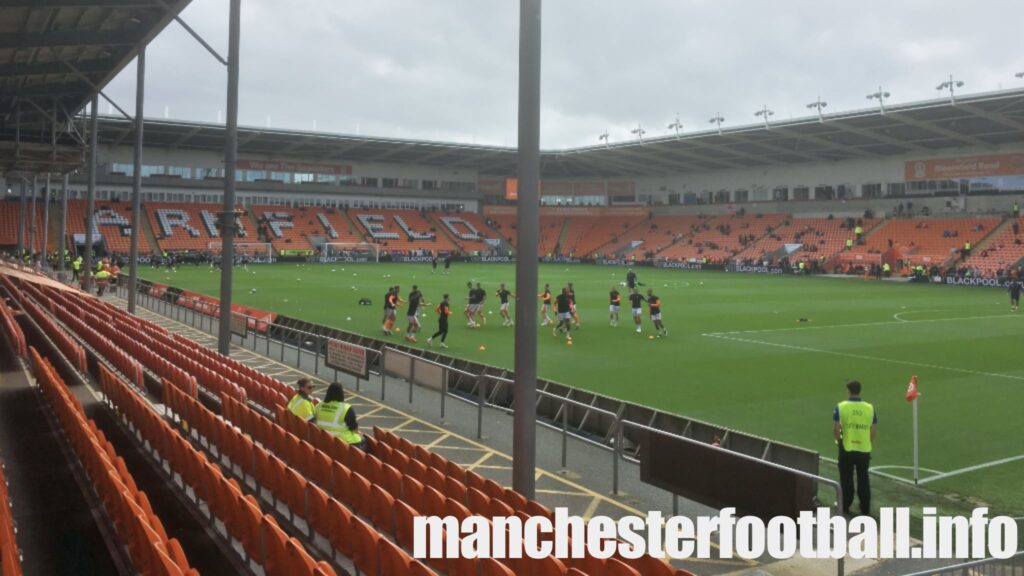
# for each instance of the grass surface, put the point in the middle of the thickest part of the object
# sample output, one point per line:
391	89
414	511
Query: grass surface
737	353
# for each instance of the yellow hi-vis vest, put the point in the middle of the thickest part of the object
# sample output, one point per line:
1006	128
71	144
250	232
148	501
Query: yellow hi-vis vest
301	407
331	417
855	420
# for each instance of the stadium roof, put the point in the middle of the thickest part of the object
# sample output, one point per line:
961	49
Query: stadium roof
59	53
978	120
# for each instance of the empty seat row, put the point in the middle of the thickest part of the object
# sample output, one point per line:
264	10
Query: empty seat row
11	330
10	557
286	484
262	540
64	342
152	553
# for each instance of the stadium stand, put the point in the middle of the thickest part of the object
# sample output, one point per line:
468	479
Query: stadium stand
820	237
400	231
468	230
9	224
653	235
292	228
180	226
550	231
113	221
929	241
137	527
1001	251
587	234
721	238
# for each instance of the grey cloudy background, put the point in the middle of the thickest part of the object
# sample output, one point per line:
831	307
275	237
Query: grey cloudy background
446	69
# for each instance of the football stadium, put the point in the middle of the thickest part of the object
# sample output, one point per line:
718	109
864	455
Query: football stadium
195	314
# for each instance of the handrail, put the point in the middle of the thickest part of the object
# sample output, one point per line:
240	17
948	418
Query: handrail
1015	561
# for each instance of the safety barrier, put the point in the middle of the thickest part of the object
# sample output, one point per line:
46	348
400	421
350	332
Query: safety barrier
149	548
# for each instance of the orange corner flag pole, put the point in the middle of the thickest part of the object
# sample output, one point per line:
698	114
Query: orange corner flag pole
911	396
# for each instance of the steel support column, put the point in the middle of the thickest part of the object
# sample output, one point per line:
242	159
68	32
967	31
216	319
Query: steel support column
133	256
62	237
22	217
32	245
524	426
227	221
90	197
45	243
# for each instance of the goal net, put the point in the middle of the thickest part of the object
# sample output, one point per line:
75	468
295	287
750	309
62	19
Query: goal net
350	252
249	252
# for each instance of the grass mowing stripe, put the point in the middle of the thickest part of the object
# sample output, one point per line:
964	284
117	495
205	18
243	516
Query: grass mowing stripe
864	357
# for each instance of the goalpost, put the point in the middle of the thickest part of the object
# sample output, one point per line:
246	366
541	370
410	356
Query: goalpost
350	252
256	252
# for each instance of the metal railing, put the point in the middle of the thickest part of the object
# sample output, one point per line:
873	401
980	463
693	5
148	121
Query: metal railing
1013	566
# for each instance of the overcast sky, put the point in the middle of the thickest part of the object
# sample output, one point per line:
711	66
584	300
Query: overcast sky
447	69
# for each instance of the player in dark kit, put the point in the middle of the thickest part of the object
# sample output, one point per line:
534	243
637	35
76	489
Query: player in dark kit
572	305
631	279
545	301
614	299
1014	289
415	300
563	306
655	304
443	312
389	308
470	305
433	263
636	305
481	295
503	294
447	264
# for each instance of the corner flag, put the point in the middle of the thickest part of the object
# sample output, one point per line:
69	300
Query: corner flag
912	392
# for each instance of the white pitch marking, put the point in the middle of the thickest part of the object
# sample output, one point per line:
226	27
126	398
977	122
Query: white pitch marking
862	324
894	466
866	357
897	315
972	468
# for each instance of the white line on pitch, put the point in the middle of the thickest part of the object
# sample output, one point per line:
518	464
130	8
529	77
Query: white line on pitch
893	466
865	357
973	468
897	315
862	324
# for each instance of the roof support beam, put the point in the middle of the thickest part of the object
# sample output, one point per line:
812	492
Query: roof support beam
80	4
23	40
44	68
996	117
966	139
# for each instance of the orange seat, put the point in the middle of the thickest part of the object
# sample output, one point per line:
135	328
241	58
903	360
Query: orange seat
321	472
382	506
299	561
412	493
478	502
391	480
454	488
366	542
404	515
361	501
433	502
491	567
340	522
341	486
324	569
616	567
295	493
393	560
648	564
275	543
317	500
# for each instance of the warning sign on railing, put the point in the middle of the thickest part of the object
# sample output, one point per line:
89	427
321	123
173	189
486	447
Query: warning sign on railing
239	324
349	358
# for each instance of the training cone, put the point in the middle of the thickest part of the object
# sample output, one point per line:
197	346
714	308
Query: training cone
483	348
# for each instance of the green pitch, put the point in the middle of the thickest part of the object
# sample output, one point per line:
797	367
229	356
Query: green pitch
737	353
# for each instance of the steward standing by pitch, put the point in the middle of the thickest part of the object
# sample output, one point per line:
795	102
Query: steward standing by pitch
854	426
